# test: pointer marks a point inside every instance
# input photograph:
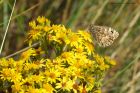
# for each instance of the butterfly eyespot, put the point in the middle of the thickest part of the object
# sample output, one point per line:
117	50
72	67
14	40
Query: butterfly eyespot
111	31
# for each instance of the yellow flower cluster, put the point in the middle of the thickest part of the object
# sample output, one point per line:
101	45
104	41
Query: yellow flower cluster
65	62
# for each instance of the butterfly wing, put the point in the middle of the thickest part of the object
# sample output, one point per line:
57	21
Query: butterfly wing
104	36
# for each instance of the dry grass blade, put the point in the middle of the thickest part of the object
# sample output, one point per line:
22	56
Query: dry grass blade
119	11
130	26
7	28
100	11
22	50
130	83
137	56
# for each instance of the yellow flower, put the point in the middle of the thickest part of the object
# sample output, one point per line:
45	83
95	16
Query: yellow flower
37	64
41	20
59	37
52	75
63	71
34	78
48	87
19	65
26	55
56	63
67	56
6	73
73	40
27	66
65	84
32	24
89	47
32	90
99	59
37	78
17	87
10	74
16	77
34	66
101	62
110	61
10	63
113	62
85	35
75	87
59	28
89	64
76	72
47	28
79	60
77	64
90	81
38	28
33	35
4	63
80	49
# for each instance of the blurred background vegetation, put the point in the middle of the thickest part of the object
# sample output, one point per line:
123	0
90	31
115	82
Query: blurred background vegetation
123	15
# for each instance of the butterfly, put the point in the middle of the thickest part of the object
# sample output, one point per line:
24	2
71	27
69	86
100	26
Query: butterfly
104	35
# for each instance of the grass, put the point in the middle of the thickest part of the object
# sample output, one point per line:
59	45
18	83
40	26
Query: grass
6	23
123	16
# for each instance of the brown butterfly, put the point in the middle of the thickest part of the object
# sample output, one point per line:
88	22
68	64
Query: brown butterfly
104	35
